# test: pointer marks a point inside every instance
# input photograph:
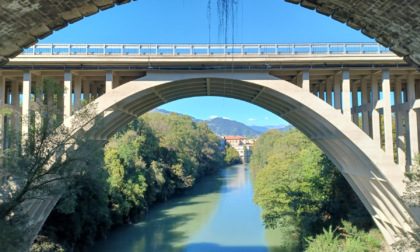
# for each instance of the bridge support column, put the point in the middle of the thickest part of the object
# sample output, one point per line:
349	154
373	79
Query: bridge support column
329	91
100	91
299	79
39	96
337	92
315	90
2	117
94	91
386	93
355	115
412	119
306	85
322	91
67	94
346	94
60	103
26	107
8	119
365	113
49	96
86	90
15	118
376	119
399	125
109	85
77	92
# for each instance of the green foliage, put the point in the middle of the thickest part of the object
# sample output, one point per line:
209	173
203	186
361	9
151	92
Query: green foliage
325	242
147	161
45	244
348	239
296	181
11	234
5	112
50	159
411	197
232	156
154	156
82	214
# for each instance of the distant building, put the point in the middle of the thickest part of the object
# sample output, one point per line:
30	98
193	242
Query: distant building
235	140
242	145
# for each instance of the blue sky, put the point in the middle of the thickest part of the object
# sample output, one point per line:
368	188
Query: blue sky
190	21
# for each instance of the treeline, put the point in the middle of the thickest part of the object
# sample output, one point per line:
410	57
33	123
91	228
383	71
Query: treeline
147	161
298	187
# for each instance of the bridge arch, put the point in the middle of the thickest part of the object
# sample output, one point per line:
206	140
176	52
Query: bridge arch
375	177
392	23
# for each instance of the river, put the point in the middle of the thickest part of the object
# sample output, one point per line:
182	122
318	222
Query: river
217	214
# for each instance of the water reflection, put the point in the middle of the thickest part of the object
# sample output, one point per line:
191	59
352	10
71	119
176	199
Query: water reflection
216	215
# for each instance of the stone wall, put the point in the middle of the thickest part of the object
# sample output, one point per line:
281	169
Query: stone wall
23	22
393	23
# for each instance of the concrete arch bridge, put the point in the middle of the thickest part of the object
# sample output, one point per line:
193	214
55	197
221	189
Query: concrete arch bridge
336	94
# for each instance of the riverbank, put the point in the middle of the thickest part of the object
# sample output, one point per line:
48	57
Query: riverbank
217	214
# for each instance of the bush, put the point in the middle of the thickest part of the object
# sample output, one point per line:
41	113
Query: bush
348	238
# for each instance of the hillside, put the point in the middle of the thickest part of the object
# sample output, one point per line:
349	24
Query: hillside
263	129
225	127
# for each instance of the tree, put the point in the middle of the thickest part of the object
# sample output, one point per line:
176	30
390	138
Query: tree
44	165
140	165
232	156
296	183
154	156
346	238
411	197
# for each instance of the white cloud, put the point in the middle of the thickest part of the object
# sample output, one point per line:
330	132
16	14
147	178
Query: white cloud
212	117
266	118
252	119
227	118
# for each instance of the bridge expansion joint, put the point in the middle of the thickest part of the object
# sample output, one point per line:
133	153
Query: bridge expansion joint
159	95
256	96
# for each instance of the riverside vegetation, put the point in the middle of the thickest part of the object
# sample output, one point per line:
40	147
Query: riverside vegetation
298	187
148	161
157	155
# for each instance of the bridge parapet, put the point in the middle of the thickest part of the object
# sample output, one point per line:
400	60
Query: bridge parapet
206	49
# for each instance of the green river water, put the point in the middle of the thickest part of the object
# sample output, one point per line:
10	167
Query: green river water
217	214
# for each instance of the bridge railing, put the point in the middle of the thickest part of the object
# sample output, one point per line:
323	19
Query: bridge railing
205	49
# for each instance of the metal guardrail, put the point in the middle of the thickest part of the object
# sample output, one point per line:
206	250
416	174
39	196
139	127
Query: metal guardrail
205	49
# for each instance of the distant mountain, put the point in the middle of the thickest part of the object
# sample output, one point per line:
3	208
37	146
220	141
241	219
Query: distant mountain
263	129
223	127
